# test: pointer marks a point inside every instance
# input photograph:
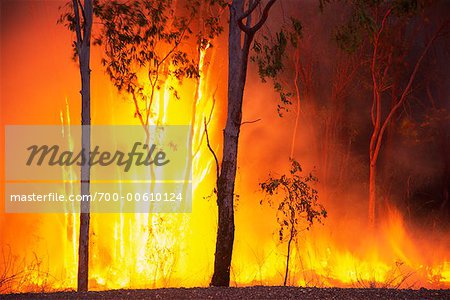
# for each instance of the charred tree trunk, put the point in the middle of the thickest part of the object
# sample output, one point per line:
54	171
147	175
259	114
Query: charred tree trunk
237	73
83	32
225	193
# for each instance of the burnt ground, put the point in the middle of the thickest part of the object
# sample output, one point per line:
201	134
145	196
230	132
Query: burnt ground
257	292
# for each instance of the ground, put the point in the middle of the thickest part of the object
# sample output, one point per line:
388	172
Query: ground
257	292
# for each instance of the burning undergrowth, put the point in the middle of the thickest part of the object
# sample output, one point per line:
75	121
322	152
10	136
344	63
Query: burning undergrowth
408	247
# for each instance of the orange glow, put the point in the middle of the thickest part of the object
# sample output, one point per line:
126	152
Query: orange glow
40	85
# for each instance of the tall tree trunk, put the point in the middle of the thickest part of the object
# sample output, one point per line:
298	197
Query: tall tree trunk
225	195
83	31
238	52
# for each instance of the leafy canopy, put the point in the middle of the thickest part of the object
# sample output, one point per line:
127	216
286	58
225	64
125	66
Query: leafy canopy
145	42
363	23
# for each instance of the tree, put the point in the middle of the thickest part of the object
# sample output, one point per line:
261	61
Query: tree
383	24
81	22
240	38
299	203
287	59
143	44
146	43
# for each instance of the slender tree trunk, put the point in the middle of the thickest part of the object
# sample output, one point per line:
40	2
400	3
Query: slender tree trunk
83	32
372	192
379	124
288	256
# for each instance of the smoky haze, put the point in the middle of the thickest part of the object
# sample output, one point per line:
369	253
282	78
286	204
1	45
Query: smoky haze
40	85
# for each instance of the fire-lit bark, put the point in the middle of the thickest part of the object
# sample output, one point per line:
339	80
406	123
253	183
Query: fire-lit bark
83	32
237	74
236	82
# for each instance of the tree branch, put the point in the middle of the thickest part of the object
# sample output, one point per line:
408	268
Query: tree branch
407	88
77	24
250	122
248	38
376	105
213	153
265	14
251	7
137	110
88	18
208	121
82	10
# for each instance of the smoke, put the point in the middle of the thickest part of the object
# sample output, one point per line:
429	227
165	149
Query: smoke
332	142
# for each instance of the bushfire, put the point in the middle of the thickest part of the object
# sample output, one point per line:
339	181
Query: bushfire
344	100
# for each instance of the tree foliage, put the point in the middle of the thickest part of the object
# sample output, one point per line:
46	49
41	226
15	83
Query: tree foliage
136	35
146	42
382	30
270	55
363	25
298	205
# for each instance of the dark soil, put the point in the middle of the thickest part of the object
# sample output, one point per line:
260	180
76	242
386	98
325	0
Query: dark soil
257	292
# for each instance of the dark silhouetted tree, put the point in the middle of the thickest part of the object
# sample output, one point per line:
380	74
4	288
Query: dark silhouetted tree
240	38
80	20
